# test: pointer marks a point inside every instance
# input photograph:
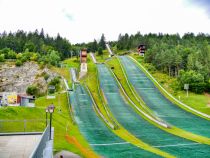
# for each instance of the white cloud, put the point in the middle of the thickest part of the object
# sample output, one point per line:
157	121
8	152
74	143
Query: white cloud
82	20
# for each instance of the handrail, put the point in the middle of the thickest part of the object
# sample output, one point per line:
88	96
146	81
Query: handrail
70	108
69	102
171	96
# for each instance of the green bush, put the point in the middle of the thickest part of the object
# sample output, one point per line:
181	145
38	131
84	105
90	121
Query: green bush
32	90
2	58
150	67
100	51
46	76
55	82
194	79
18	63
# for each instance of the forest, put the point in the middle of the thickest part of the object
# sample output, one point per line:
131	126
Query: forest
35	46
187	58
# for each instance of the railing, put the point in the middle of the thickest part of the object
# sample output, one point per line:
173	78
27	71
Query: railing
41	145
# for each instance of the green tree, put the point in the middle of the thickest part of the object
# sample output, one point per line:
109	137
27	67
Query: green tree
102	42
55	82
95	46
29	46
32	90
100	51
194	79
54	58
18	63
2	58
11	55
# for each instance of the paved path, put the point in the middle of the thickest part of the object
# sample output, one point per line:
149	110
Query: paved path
20	146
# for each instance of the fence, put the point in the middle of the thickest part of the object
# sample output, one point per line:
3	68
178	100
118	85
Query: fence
11	126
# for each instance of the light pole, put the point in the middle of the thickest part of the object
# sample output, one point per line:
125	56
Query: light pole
46	110
51	110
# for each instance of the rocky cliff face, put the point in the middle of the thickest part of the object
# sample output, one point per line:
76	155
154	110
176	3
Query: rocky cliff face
17	79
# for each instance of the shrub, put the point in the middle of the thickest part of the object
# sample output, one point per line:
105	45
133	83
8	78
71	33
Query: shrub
55	82
194	79
32	90
46	76
2	58
18	63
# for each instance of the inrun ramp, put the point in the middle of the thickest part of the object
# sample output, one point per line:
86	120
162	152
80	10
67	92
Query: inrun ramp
162	107
142	129
101	139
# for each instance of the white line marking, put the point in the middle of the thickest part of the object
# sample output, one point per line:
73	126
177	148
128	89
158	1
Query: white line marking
111	93
108	84
81	100
139	79
144	88
163	146
109	144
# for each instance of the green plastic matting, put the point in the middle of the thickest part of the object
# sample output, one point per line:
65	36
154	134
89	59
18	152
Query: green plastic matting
162	107
99	136
141	128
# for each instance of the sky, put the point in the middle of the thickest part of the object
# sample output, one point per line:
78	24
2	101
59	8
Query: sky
85	20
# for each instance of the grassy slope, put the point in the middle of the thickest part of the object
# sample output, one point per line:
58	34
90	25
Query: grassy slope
22	113
197	101
102	58
61	119
174	130
62	123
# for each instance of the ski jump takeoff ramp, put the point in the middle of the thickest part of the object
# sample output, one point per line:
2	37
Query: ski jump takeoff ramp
163	108
98	135
141	128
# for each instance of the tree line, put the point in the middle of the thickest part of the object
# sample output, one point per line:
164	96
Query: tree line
35	45
186	57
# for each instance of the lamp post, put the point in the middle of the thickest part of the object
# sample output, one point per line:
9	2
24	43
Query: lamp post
51	110
46	110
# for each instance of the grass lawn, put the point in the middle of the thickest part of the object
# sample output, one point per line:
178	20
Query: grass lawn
102	58
196	101
62	123
12	119
72	62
